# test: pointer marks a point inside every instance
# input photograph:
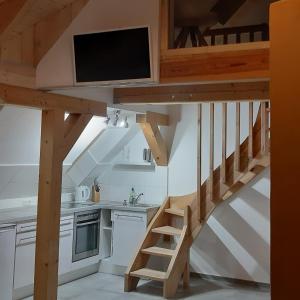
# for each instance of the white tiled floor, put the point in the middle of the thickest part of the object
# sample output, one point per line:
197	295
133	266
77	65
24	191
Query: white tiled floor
109	287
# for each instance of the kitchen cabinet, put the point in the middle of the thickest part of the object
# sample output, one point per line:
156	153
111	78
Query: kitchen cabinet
128	231
25	251
7	256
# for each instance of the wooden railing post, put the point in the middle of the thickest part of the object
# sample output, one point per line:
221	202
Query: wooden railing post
212	152
237	154
199	164
250	139
224	143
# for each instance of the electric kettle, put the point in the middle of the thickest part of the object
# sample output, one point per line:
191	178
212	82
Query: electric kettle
82	193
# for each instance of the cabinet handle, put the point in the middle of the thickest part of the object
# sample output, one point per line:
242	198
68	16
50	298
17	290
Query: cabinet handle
129	217
32	240
65	224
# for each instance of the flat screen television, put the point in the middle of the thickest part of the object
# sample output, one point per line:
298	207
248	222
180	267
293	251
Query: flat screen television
113	56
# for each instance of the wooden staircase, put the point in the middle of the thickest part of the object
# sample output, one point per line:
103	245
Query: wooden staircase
180	219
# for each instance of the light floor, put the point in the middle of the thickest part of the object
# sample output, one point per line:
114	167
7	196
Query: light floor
110	287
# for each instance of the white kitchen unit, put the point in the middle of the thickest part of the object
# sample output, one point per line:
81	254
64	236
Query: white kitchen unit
25	254
129	228
7	257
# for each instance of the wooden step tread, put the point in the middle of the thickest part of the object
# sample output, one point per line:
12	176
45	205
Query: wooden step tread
159	251
175	211
167	230
149	274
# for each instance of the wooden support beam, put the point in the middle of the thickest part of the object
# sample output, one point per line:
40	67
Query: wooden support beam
74	126
13	95
57	138
155	118
149	124
238	91
49	29
49	198
215	63
164	24
285	149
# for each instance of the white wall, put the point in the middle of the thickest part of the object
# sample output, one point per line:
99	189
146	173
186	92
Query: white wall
56	68
235	241
151	181
20	151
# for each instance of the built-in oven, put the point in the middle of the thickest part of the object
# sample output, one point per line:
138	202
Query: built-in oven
86	234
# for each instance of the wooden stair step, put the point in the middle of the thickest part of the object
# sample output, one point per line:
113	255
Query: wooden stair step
149	274
175	211
167	230
157	251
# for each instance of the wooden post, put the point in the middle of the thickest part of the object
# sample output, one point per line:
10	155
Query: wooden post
57	138
285	149
48	219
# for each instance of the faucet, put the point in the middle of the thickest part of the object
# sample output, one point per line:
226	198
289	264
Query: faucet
136	199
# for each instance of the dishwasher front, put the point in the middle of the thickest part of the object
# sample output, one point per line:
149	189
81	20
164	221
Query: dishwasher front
7	259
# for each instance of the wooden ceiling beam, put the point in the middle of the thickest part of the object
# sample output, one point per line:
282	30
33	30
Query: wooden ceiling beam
9	9
13	95
16	9
238	91
20	74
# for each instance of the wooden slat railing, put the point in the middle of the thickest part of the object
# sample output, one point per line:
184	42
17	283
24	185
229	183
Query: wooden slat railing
233	170
224	36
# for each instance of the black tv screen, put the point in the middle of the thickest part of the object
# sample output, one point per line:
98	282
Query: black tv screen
112	56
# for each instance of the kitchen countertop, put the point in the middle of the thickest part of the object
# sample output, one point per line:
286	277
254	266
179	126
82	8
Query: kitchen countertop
27	213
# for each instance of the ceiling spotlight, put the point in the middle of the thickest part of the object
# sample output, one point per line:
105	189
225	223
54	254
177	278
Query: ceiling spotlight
124	123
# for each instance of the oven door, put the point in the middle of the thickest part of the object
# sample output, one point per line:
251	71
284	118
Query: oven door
86	240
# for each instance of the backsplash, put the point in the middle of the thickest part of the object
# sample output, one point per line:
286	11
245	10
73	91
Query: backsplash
117	184
29	201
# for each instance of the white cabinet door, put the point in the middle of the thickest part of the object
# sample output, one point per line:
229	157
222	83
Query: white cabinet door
24	261
65	252
25	251
7	255
128	230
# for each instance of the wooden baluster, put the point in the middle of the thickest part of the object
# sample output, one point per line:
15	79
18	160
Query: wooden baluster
211	163
237	154
238	38
201	207
225	39
251	36
250	139
193	36
263	128
224	143
213	40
